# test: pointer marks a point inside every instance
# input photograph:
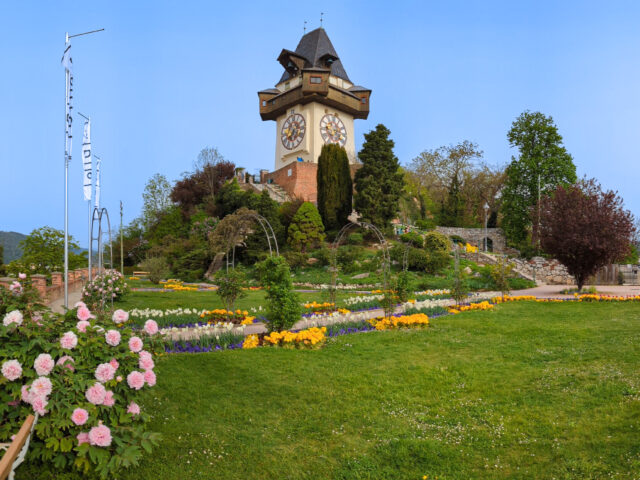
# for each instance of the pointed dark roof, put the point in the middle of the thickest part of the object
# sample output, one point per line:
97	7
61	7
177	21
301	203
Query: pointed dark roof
313	47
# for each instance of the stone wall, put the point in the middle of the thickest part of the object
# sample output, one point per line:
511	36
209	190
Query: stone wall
475	236
50	293
545	271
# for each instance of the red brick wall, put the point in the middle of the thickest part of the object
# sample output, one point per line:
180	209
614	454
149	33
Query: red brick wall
302	182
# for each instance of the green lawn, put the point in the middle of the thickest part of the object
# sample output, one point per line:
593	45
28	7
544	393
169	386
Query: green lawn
528	391
205	300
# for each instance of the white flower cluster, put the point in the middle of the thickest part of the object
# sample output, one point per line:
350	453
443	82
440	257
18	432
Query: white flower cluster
153	312
188	333
435	293
362	299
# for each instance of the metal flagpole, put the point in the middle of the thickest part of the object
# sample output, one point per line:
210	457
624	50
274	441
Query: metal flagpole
121	247
66	61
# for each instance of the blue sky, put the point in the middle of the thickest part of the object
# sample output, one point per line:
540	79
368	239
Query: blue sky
166	79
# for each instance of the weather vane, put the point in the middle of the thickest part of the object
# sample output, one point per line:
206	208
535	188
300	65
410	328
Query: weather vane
305	26
321	14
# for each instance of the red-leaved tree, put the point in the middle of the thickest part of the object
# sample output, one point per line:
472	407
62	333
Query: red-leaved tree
585	228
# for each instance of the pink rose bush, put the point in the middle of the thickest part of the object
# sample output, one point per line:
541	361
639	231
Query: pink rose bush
103	289
120	316
151	327
72	376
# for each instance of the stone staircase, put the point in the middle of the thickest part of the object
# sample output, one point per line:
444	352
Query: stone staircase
276	192
518	268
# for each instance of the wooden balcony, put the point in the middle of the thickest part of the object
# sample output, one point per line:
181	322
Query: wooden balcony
315	87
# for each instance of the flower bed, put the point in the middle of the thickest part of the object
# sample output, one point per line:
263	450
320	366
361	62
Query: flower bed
416	320
471	307
239	317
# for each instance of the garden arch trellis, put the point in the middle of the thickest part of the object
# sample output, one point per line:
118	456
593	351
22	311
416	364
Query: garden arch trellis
98	213
386	259
268	232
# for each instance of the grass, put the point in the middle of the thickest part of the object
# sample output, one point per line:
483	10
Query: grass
525	391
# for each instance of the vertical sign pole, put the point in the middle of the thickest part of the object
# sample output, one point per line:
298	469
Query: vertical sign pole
121	247
66	180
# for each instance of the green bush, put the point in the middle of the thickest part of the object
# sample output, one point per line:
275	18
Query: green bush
306	229
349	256
423	224
296	260
355	239
157	268
437	261
436	242
417	259
412	238
283	303
323	255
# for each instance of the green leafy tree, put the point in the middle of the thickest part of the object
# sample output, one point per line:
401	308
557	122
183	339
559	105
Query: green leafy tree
156	198
452	212
500	273
306	230
44	249
542	164
380	182
283	303
230	283
335	188
157	267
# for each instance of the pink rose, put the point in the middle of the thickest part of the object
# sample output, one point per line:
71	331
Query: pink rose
144	353
133	408
120	316
83	437
37	319
66	362
105	372
43	364
150	378
39	404
80	416
69	340
109	401
41	386
119	378
22	276
135	344
151	327
11	370
135	380
100	436
114	363
112	337
84	313
80	304
146	363
96	393
82	326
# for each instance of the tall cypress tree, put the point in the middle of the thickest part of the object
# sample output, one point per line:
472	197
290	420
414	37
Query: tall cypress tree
379	182
335	188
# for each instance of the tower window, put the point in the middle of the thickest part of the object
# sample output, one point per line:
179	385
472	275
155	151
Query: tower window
264	103
363	99
315	79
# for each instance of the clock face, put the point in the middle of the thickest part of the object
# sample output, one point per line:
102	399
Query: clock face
292	131
333	130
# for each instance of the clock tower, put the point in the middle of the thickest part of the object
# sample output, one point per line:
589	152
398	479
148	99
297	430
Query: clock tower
313	103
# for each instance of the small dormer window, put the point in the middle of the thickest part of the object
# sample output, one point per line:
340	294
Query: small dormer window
287	85
363	99
315	79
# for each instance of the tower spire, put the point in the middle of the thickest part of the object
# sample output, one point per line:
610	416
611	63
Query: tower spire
305	27
321	14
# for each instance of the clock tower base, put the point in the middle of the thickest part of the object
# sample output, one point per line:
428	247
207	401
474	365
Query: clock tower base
299	179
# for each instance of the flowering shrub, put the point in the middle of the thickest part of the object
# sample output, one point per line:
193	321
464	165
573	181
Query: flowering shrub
82	376
103	289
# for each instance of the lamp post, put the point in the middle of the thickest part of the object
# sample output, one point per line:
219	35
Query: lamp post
486	212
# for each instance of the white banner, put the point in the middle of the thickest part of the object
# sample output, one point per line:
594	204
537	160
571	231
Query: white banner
67	63
98	161
87	165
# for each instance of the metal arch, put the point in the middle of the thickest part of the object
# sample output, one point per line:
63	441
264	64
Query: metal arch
97	215
386	258
268	232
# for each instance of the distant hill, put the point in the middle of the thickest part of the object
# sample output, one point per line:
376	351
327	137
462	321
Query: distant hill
11	243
